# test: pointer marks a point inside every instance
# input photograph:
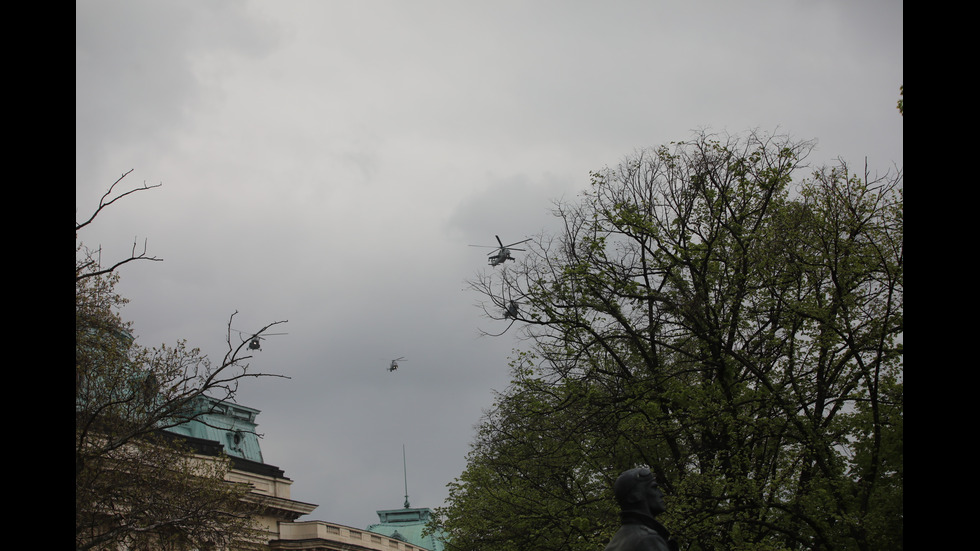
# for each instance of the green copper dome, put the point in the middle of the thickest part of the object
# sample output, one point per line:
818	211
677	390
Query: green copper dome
231	425
407	525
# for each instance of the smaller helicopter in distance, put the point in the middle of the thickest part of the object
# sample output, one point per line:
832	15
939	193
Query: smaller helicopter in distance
502	253
394	364
255	340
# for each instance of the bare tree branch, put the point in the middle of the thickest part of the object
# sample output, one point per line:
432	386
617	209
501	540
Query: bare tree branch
93	259
104	203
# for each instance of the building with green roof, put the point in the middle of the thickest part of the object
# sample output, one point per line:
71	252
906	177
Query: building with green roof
229	428
408	525
229	424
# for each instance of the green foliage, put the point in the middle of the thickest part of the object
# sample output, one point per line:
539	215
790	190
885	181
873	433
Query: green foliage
534	461
739	334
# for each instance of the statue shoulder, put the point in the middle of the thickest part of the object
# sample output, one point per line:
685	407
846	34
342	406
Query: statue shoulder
636	537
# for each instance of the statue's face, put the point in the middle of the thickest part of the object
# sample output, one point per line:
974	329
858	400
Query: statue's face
655	499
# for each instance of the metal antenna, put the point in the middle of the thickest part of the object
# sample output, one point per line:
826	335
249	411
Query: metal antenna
405	468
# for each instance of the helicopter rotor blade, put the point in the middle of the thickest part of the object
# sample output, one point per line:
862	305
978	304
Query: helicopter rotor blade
255	334
499	241
518	243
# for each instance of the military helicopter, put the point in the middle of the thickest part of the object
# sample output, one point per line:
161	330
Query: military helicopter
254	341
502	254
511	310
394	364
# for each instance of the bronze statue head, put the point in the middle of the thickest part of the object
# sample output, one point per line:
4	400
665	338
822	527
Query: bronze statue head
637	490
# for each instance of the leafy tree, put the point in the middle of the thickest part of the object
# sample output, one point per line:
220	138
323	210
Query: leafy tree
534	458
135	486
702	314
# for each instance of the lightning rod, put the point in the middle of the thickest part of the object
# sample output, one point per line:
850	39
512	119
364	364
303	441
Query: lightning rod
405	468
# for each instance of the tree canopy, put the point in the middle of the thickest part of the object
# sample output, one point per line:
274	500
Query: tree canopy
707	313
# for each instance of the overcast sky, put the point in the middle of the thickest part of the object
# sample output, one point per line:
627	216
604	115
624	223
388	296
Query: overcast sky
330	162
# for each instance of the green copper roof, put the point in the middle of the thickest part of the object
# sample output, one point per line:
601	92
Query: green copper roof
407	525
231	425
